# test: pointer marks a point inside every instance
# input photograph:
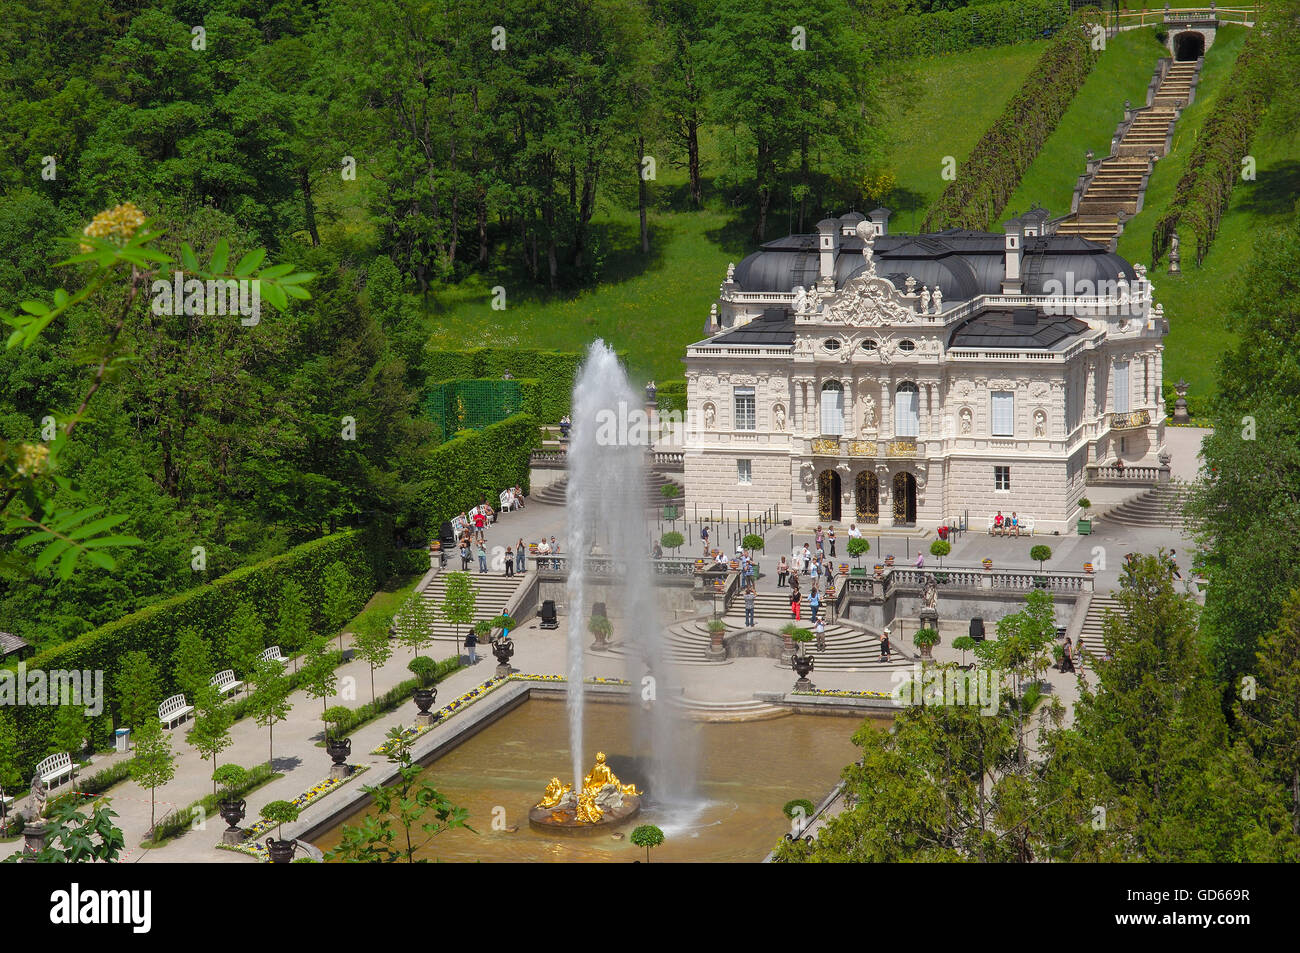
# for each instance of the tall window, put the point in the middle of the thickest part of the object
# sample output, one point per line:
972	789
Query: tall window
744	472
1004	414
1002	478
1119	388
906	410
745	416
832	409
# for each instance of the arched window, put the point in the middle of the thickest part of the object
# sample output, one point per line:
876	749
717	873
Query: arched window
832	409
906	410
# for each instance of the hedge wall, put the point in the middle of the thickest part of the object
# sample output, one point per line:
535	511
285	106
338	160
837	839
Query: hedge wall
671	395
367	554
951	31
546	376
987	180
476	464
1203	192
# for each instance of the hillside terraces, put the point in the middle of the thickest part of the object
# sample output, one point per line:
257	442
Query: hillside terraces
1115	190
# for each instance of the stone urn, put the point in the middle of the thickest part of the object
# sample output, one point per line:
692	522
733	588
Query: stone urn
424	699
339	749
802	665
281	851
232	812
504	650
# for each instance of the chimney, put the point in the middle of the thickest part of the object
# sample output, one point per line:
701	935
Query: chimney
828	245
880	218
1011	282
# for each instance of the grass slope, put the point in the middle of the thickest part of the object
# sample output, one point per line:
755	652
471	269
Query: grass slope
1123	72
1196	302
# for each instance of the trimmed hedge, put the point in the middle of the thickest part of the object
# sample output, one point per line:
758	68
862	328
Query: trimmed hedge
367	554
671	395
546	377
989	178
476	464
966	28
1203	193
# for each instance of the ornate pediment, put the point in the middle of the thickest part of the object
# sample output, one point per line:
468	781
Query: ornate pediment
867	300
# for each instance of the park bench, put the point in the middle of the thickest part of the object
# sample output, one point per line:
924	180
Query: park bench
272	655
225	682
54	767
1026	524
173	711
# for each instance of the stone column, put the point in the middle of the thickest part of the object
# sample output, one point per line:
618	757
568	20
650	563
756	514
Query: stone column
886	408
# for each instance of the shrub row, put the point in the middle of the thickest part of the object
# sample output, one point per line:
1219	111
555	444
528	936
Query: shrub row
475	465
397	695
546	377
952	31
999	160
671	395
1215	166
178	821
366	553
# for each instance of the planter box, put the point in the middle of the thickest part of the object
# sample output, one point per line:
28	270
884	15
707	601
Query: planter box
1085	527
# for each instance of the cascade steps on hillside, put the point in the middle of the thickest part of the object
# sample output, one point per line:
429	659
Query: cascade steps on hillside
554	494
1091	644
1114	193
1160	506
495	591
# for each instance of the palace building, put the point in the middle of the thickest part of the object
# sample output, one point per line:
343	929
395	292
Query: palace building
857	376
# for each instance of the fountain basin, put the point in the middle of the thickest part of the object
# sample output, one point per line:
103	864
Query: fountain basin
562	820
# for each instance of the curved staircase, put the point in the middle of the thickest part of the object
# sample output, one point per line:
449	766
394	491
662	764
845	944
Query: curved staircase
1160	506
554	494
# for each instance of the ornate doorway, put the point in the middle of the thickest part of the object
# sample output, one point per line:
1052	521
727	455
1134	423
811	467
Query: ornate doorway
828	496
904	499
868	497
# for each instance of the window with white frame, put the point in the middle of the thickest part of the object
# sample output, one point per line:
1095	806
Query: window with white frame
746	418
1002	479
744	472
1003	418
1119	398
906	410
833	409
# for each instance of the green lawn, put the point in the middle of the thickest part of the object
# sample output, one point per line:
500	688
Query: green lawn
1196	301
1123	72
940	106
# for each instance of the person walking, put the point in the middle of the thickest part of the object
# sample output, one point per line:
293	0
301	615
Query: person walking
1067	656
884	645
814	601
831	537
510	561
782	572
794	601
471	643
464	555
704	536
482	556
821	636
520	554
807	559
749	606
920	560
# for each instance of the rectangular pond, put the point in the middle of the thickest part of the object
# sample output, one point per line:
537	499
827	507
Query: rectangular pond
746	772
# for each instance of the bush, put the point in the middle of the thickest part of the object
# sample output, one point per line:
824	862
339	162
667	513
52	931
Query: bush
155	629
671	540
546	377
752	541
999	160
791	807
966	28
926	637
858	546
1041	553
101	781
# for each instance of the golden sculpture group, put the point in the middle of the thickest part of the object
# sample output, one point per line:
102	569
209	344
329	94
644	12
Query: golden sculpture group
601	790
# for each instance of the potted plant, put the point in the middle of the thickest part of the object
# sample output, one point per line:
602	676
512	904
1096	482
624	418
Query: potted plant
801	662
280	813
717	629
787	638
1087	567
858	547
423	668
966	644
880	570
601	628
940	548
1085	524
669	492
337	747
926	639
987	564
889	560
231	777
672	540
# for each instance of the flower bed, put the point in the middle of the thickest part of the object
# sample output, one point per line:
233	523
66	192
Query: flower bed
841	693
254	847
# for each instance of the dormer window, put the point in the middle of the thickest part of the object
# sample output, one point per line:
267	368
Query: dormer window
907	346
831	344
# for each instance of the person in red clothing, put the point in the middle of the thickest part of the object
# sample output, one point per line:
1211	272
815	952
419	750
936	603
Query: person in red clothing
997	524
479	519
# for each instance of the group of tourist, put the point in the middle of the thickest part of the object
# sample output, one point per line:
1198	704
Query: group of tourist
1006	525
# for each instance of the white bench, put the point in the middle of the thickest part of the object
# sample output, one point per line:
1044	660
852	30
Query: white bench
272	655
54	767
173	711
1026	525
225	682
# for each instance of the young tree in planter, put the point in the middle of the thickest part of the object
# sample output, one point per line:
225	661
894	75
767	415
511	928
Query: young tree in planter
940	548
192	662
458	602
336	716
966	644
926	639
670	492
280	813
1042	553
423	668
372	643
600	627
339	603
154	764
858	547
212	721
647	836
245	640
293	622
401	809
232	779
139	690
752	541
672	540
268	702
319	666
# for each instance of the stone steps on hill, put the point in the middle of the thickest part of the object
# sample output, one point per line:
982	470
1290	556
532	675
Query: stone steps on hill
1159	506
1091	644
495	591
554	494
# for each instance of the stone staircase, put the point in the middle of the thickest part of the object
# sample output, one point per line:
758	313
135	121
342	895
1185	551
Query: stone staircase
1160	506
1091	645
494	593
1114	193
849	647
554	494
